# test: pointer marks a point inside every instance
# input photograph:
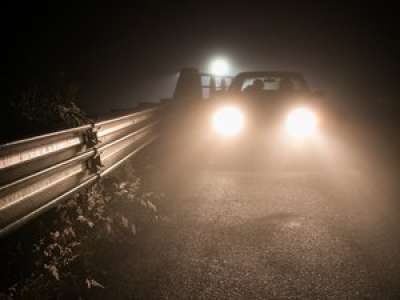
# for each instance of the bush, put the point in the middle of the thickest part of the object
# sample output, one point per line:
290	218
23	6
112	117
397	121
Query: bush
40	106
67	244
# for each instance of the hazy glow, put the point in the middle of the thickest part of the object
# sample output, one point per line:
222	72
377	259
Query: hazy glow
228	121
301	123
219	67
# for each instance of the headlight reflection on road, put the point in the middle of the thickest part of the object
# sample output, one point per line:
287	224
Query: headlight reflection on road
301	123
228	121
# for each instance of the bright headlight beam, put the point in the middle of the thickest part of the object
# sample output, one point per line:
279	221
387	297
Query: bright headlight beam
228	121
219	67
301	123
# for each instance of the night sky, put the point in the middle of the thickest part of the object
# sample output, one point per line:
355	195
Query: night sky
120	55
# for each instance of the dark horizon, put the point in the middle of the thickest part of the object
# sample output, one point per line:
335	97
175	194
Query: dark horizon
123	55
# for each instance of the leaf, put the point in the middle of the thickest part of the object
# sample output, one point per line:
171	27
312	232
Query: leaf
81	219
151	206
55	234
72	232
91	283
133	229
53	271
122	185
108	228
125	222
88	283
97	284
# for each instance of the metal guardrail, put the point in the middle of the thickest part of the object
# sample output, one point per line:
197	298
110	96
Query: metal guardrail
37	173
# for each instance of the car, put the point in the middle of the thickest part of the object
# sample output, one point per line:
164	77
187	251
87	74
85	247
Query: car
260	101
260	113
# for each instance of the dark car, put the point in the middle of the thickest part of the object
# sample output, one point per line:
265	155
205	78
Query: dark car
266	101
254	113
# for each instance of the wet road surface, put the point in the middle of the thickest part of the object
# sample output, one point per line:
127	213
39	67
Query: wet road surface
260	234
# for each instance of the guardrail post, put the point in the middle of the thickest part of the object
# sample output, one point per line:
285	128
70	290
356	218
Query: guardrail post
94	164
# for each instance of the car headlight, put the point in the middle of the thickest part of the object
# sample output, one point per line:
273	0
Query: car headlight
228	121
301	123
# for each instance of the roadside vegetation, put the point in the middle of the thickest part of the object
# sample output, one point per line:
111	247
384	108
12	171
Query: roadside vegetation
64	253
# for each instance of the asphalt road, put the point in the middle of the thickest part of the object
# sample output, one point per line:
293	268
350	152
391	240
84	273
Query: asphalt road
266	234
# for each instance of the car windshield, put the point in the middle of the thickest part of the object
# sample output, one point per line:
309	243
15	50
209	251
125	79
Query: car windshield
268	83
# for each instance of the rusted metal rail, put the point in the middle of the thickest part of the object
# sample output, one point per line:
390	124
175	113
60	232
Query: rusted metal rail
39	172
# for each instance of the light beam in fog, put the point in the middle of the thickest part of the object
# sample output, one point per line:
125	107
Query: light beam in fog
228	121
301	123
219	67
